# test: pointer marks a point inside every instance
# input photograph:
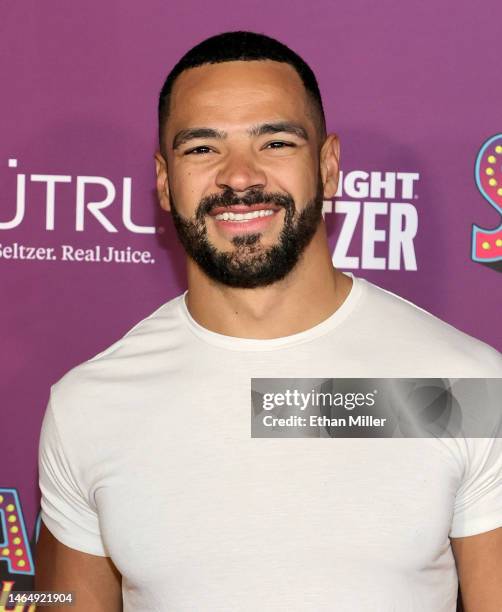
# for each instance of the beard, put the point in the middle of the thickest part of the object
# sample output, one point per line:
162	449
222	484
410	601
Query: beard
249	264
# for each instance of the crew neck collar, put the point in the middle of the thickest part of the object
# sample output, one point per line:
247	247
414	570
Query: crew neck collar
237	343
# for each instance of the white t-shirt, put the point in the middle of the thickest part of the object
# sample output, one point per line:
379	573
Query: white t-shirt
146	456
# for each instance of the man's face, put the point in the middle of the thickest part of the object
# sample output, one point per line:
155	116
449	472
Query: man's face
243	181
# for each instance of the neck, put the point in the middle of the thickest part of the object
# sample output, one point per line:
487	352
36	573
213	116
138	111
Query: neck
308	295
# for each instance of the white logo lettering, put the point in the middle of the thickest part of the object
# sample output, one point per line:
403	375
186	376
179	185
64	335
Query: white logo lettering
83	209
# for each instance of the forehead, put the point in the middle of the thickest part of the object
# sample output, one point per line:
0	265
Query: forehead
238	91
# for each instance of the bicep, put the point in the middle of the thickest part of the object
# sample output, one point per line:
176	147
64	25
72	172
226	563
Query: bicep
479	566
94	580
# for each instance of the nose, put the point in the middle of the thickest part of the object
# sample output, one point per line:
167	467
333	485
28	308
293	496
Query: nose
240	172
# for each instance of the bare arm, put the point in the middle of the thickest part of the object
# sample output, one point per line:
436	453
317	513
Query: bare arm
94	580
479	566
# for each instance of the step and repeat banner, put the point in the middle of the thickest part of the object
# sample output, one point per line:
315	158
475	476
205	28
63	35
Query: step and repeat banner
412	89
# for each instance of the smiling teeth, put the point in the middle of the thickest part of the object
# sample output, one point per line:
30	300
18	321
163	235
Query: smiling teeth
230	216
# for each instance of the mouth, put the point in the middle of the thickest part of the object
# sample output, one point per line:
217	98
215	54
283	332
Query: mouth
244	218
244	211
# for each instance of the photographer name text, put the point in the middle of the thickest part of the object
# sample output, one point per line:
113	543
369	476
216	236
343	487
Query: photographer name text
323	421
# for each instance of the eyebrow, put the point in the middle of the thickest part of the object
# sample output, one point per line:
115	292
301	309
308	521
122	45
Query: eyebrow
193	133
281	126
258	130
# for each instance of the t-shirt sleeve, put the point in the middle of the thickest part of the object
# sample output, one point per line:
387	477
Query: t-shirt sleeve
65	509
478	503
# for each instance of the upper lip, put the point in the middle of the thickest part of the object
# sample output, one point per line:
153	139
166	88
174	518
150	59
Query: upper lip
243	208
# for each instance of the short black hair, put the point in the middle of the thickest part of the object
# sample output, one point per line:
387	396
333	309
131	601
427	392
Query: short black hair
240	46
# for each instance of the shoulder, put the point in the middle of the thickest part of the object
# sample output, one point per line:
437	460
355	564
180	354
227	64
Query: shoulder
115	371
408	330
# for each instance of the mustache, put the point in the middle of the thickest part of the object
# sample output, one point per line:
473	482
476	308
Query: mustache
253	196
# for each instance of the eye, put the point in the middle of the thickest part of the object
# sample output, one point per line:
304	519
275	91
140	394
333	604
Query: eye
197	150
279	144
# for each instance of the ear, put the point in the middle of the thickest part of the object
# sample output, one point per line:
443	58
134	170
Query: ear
330	165
162	181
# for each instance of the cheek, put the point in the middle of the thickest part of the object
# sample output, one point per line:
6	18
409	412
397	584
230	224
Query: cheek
300	180
187	188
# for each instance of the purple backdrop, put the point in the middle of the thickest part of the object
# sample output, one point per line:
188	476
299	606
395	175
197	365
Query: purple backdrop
413	90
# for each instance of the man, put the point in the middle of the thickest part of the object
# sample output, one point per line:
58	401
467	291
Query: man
154	494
